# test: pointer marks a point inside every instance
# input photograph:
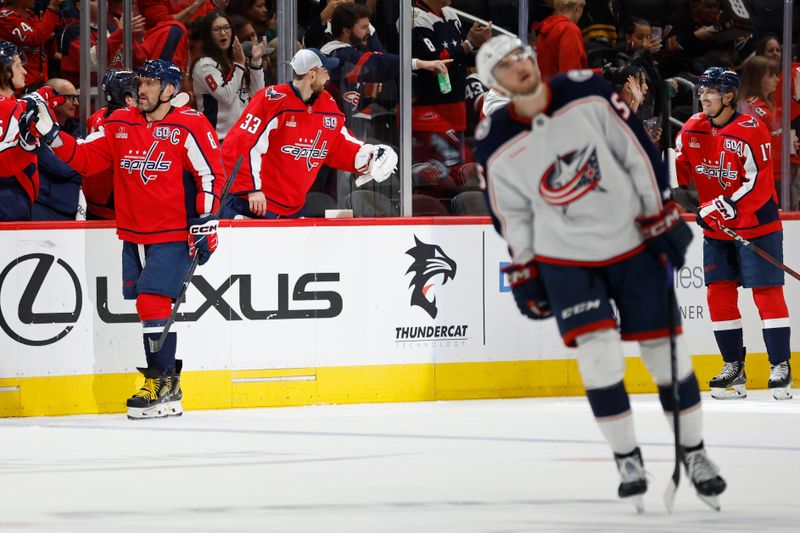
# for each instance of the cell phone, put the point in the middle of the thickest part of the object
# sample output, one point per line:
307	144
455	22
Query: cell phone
657	33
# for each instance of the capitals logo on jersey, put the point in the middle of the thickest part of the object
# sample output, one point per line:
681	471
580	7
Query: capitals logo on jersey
272	94
718	170
308	150
145	163
570	177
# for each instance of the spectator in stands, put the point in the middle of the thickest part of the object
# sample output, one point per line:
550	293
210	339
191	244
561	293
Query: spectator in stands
638	35
759	76
19	178
439	113
184	11
243	28
31	32
769	46
559	45
358	78
224	79
321	32
259	12
59	184
794	124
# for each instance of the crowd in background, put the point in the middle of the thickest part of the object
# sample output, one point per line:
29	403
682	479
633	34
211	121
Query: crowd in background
228	50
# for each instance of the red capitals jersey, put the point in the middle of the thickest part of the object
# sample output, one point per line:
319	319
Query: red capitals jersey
16	163
156	166
758	108
733	160
30	33
99	188
284	142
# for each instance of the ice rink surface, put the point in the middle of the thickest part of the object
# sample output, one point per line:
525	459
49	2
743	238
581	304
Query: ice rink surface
501	466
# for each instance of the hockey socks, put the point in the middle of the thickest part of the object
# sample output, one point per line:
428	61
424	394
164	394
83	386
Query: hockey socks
612	409
775	322
154	310
691	416
725	318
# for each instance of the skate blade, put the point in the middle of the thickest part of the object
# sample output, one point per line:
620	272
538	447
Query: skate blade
782	393
143	413
737	392
174	408
711	501
638	502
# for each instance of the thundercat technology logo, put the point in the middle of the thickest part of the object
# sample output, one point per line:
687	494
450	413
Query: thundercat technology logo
145	163
429	262
570	177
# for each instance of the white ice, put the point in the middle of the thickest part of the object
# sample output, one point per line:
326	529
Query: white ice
474	466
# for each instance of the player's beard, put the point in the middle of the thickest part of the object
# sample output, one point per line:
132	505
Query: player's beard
154	107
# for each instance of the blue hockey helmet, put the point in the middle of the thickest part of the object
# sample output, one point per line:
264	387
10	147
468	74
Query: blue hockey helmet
160	69
720	78
7	52
117	84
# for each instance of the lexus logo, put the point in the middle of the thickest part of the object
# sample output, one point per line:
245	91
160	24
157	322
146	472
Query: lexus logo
25	314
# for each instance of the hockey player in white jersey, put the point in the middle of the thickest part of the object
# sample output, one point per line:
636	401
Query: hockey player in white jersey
582	197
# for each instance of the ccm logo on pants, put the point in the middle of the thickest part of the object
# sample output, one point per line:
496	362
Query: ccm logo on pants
580	308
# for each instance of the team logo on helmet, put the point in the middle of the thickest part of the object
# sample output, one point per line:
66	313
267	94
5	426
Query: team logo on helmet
570	177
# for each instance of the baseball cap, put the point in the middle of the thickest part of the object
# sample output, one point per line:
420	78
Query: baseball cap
308	59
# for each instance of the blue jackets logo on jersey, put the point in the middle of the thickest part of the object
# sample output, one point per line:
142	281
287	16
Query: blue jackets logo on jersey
570	177
145	163
429	261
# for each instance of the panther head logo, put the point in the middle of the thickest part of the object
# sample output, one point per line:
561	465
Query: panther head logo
429	261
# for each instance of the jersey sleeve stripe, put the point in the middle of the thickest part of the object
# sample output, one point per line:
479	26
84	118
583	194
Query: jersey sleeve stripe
750	176
203	169
11	137
258	150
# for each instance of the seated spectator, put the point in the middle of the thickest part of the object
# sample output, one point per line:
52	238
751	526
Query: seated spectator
243	28
638	35
259	12
769	46
559	44
31	32
19	178
59	184
321	31
184	11
224	79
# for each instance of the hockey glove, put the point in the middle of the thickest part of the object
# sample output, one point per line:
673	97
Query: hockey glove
716	212
376	161
203	237
42	122
666	234
28	136
528	290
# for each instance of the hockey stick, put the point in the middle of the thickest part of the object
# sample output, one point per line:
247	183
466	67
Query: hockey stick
744	242
155	345
672	486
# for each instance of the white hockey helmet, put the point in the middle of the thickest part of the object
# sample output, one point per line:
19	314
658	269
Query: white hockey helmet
492	51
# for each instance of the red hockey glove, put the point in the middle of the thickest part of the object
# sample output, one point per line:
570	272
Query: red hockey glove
51	96
528	290
203	237
666	234
717	211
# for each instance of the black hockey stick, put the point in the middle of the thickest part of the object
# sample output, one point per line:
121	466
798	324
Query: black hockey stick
744	242
155	345
672	486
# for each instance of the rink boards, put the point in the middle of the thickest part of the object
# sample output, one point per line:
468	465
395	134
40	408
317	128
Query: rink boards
309	311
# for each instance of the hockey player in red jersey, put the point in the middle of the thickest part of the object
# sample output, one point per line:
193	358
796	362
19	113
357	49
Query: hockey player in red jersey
31	32
99	188
19	176
728	158
582	198
286	134
150	149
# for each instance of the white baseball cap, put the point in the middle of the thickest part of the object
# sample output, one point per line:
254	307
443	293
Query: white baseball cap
308	59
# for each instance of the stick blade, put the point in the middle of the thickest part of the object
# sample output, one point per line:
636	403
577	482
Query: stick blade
669	494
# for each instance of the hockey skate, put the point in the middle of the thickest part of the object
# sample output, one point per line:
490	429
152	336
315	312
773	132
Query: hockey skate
730	383
633	481
153	399
780	381
175	408
704	475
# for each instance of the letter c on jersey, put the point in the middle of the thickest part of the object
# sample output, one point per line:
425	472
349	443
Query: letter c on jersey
25	313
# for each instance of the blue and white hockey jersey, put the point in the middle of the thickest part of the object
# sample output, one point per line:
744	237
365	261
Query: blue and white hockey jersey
567	186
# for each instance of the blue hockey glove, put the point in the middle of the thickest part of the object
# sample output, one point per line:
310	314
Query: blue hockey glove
666	234
528	290
203	237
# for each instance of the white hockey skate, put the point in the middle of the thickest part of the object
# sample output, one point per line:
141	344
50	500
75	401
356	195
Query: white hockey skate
780	381
704	476
633	480
730	383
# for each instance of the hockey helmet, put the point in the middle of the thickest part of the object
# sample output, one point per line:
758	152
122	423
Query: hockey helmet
493	51
7	52
719	78
160	69
117	84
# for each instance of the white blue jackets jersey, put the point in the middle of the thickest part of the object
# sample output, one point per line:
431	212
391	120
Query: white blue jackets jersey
567	187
